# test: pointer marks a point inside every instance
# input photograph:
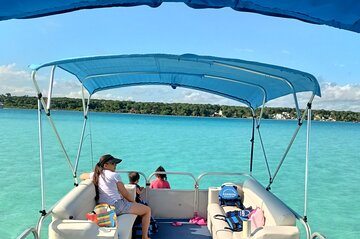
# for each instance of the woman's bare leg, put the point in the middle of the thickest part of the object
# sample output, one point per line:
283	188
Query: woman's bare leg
145	213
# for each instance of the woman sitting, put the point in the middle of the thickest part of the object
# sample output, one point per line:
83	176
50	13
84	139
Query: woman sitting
111	190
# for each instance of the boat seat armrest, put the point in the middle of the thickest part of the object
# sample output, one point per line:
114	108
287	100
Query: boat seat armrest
131	188
276	232
125	223
83	229
79	229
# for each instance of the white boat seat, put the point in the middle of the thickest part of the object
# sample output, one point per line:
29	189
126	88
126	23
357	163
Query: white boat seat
69	221
280	222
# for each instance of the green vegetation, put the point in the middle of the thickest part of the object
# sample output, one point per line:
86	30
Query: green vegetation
205	110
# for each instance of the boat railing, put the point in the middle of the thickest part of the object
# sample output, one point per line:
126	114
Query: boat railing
306	225
219	174
129	171
27	232
173	173
196	181
317	235
147	179
201	176
36	231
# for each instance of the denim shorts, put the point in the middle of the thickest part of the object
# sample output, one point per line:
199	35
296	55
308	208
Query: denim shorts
122	206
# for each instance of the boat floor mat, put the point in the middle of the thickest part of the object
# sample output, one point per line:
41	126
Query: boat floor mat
180	229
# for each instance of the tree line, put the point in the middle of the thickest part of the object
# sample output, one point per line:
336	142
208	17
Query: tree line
180	109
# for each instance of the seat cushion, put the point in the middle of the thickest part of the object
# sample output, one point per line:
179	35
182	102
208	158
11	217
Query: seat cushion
68	207
276	213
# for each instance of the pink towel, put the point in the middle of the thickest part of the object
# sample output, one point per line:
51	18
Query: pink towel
198	220
257	218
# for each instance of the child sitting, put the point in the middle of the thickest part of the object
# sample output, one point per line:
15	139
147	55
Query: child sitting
134	178
161	180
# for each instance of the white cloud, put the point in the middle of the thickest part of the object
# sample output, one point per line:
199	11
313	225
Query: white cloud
334	97
340	97
67	88
9	69
14	81
18	82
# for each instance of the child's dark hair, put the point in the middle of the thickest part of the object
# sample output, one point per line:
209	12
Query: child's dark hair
133	177
162	176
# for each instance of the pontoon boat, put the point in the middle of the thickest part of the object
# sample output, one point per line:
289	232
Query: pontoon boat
251	83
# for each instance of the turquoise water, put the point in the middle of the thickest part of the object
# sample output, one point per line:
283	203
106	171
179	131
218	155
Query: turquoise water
181	144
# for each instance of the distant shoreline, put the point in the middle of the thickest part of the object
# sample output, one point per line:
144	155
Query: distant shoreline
176	109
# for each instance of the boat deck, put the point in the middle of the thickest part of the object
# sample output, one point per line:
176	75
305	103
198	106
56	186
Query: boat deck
186	230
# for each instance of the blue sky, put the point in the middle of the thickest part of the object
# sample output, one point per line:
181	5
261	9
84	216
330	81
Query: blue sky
331	55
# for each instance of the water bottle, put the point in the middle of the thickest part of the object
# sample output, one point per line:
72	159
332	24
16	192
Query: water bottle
246	229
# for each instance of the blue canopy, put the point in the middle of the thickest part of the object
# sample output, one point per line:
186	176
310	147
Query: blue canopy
249	82
344	14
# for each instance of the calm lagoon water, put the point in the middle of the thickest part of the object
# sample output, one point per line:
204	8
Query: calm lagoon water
188	144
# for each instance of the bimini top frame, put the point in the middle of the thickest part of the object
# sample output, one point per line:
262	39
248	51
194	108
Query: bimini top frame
251	83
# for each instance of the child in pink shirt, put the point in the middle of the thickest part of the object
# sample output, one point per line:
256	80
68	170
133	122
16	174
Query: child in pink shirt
161	180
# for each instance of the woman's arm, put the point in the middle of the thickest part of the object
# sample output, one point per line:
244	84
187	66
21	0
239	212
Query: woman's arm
122	190
85	176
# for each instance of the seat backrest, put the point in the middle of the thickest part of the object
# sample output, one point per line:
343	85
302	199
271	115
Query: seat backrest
77	203
276	213
80	201
171	203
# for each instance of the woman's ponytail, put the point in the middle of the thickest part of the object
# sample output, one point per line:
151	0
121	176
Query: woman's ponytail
97	171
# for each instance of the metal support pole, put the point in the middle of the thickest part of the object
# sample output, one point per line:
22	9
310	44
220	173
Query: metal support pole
86	109
264	152
51	83
291	141
297	106
51	121
252	145
41	160
307	160
261	141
